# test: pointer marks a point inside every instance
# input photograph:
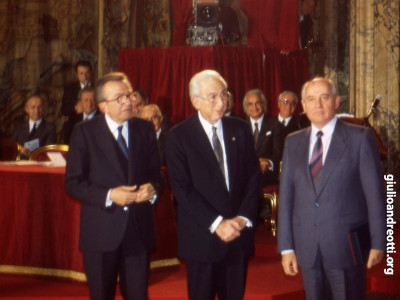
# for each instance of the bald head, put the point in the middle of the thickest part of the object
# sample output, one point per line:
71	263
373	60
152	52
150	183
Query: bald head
34	108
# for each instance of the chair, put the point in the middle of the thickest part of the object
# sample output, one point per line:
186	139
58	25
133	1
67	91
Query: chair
271	195
10	150
40	154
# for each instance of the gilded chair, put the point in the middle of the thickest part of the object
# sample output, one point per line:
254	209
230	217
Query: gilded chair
40	154
271	195
10	150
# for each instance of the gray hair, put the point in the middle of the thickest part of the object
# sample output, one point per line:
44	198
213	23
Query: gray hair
315	79
290	93
197	79
254	91
113	76
154	107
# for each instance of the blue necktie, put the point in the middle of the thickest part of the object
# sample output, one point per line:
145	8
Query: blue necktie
316	160
121	141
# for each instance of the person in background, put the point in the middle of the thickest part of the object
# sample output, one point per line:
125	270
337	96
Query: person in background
306	23
214	174
268	136
287	103
141	100
152	113
89	110
70	105
35	132
230	103
114	170
332	217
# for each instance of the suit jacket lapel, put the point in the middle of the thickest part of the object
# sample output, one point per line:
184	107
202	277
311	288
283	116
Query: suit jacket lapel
111	149
205	146
336	149
302	152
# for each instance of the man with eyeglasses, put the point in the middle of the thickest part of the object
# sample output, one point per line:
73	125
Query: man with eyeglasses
214	174
113	169
287	103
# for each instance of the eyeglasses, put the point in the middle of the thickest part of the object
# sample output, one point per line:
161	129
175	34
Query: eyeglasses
291	102
212	98
121	99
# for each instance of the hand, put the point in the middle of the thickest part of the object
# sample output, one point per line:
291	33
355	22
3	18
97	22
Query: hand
228	230
79	107
124	195
25	151
264	164
289	263
146	192
375	257
241	221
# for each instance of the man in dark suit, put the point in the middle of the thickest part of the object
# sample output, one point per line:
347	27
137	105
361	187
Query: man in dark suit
213	172
152	113
287	103
35	132
70	105
331	200
89	110
268	136
113	169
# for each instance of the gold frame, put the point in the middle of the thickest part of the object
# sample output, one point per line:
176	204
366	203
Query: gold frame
59	147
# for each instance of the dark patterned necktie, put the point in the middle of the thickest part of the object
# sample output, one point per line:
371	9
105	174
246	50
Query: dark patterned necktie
316	159
33	131
283	122
121	141
256	133
218	150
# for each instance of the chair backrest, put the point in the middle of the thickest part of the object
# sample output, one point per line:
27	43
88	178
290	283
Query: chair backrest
40	154
10	150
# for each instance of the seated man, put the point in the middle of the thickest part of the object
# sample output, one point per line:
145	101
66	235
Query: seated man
287	103
35	132
152	112
89	107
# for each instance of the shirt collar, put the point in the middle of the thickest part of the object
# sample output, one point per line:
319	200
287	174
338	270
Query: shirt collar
207	126
327	129
31	122
112	125
259	121
90	116
287	120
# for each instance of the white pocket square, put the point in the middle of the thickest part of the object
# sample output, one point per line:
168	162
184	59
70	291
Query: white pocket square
268	133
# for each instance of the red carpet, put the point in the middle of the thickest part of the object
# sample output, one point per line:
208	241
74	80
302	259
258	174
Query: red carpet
265	281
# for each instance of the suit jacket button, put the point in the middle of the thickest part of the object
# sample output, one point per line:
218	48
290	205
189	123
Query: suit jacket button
316	204
126	208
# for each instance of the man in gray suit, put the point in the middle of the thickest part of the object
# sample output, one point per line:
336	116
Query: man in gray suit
331	200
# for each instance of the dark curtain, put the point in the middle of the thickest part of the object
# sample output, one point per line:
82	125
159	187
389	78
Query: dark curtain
164	73
272	24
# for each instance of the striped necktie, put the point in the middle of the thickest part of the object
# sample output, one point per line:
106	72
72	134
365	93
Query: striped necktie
316	159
